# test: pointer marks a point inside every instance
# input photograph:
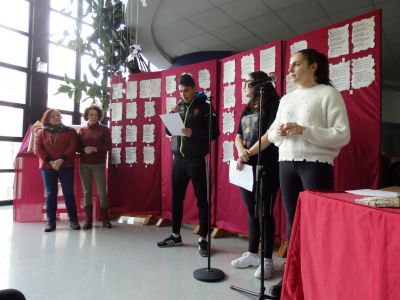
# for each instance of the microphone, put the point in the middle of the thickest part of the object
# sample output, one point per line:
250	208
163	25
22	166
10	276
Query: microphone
271	78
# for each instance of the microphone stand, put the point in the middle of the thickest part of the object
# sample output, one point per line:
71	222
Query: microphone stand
259	203
209	274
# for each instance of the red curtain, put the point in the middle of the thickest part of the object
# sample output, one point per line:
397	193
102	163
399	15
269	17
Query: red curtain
358	165
190	212
231	210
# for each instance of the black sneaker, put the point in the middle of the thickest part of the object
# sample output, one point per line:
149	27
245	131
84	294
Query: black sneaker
276	290
170	242
203	248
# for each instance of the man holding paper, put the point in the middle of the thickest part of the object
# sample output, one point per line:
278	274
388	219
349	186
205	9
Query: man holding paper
189	150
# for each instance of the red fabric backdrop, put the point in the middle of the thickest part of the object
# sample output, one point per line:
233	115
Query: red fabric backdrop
135	188
358	165
190	213
29	195
231	211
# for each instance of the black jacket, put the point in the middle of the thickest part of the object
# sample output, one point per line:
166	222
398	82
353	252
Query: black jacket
195	116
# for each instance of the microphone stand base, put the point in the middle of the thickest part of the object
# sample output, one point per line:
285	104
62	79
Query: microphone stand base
209	274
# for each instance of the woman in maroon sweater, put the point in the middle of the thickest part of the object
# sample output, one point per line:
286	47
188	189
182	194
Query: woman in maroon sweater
94	142
55	145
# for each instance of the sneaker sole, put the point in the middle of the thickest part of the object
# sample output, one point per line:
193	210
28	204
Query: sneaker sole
171	245
244	267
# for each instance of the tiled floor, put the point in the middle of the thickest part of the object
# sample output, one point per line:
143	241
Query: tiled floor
117	264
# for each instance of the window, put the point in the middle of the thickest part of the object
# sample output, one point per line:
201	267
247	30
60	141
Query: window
11	120
12	85
8	151
6	186
59	101
61	61
19	18
15	50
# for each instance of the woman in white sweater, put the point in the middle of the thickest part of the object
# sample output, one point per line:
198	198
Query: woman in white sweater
310	128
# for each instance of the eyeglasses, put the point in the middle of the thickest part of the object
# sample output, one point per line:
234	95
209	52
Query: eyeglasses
248	84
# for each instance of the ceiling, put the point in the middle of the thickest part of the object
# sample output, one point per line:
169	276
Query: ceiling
170	28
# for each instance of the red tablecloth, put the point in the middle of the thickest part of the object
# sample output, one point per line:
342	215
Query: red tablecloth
342	250
29	194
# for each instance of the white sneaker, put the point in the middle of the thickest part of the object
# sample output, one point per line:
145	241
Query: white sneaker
268	269
247	259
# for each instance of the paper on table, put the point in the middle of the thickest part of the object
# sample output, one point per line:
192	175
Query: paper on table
242	178
375	193
173	122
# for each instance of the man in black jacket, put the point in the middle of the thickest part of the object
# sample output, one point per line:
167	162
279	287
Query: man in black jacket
189	151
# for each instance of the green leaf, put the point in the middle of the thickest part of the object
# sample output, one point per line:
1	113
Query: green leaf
63	89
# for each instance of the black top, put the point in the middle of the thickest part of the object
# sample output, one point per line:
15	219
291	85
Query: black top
195	115
248	129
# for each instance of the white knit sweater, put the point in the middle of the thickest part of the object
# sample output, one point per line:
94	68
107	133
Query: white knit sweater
322	112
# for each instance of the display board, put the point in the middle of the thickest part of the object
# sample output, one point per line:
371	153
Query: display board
205	76
134	175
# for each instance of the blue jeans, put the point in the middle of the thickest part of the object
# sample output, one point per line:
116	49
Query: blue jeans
50	179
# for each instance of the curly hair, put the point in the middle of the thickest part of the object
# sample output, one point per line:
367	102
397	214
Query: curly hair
93	107
46	116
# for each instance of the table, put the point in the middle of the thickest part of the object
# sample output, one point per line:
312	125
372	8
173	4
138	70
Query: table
342	250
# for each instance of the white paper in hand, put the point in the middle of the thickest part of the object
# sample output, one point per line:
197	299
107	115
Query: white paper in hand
173	122
243	178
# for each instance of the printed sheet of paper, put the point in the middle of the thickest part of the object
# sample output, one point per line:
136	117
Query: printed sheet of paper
338	41
229	71
155	88
243	178
131	110
363	34
148	155
116	111
115	156
245	99
229	96
130	155
363	71
170	84
149	109
247	63
144	88
116	134
204	79
373	193
173	122
227	151
131	89
148	133
290	87
267	60
297	46
117	90
170	102
340	75
228	121
131	134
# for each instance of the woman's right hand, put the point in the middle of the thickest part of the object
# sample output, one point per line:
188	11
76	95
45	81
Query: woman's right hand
243	156
281	130
239	165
